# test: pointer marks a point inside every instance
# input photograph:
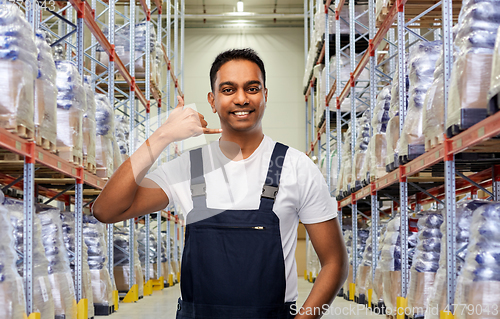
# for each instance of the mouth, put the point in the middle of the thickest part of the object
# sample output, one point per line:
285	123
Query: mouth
242	114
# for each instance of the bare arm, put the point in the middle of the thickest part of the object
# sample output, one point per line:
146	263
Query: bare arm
327	240
127	194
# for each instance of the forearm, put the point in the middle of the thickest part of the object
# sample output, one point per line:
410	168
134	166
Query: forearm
328	282
119	192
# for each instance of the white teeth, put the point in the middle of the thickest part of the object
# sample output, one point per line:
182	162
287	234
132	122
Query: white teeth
241	113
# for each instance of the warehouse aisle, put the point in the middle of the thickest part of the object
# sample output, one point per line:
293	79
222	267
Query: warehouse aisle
163	305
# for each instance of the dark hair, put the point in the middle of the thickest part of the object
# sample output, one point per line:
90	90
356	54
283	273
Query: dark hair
235	54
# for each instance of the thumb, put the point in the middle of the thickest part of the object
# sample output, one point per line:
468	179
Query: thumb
181	102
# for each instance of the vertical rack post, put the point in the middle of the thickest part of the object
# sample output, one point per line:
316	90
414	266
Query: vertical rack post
354	206
169	248
311	21
159	38
181	58
147	79
449	159
306	53
496	184
79	182
403	186
373	102
111	97
176	239
176	45
311	98
131	104
28	207
327	107
337	92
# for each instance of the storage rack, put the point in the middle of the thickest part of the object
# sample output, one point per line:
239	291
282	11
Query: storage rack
438	18
34	175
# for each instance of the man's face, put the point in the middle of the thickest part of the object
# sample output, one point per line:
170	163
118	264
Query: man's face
239	96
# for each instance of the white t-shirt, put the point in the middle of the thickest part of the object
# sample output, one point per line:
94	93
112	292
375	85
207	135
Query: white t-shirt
303	193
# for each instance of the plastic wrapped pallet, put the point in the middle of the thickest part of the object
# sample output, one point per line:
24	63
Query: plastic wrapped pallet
365	270
42	292
159	62
425	262
471	74
45	116
71	104
390	262
94	233
381	9
121	262
11	283
348	245
61	281
141	243
18	66
361	149
392	132
89	125
104	118
421	67
377	284
478	285
68	227
493	96
333	166
438	300
346	168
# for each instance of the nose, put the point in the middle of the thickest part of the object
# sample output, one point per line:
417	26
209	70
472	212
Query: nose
240	98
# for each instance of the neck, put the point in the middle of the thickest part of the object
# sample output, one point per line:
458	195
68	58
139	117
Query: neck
247	142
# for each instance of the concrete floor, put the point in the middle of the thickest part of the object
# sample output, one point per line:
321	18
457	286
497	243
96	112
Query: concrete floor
163	304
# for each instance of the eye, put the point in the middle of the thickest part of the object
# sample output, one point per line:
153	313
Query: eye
254	89
226	90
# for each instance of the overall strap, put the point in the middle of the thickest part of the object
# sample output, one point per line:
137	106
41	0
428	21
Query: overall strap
270	189
198	186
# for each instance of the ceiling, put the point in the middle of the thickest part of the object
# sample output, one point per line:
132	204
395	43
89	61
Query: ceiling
257	13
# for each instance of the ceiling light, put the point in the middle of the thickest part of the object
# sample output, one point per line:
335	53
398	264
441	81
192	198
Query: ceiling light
239	6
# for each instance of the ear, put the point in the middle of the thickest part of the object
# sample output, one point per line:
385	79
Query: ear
265	94
211	100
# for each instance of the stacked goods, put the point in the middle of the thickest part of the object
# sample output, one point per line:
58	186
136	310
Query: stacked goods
68	226
377	284
392	132
345	176
117	156
333	165
94	233
45	94
438	299
18	66
493	96
122	134
61	281
358	254
421	67
71	104
141	242
360	149
122	49
434	106
159	60
42	292
348	245
425	262
121	262
11	283
471	74
171	264
478	285
165	268
364	273
89	126
104	118
375	165
390	262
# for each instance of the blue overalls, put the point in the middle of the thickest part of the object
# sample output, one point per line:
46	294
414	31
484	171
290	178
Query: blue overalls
232	264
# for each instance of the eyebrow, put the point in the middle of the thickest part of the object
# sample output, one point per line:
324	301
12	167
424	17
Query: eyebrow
233	84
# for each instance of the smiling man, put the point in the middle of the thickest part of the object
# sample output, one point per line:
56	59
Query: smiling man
242	197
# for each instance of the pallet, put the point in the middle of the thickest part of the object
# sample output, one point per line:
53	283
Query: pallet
70	155
88	166
46	144
414	151
382	16
7	156
103	310
102	172
434	141
22	131
468	118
